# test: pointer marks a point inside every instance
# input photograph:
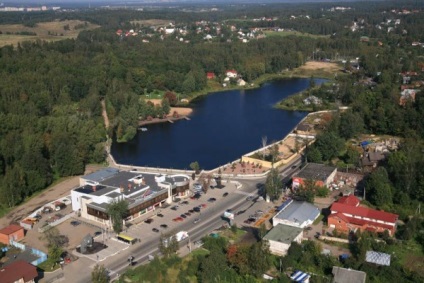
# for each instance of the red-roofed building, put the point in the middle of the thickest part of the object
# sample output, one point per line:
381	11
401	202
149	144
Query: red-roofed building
210	75
12	232
19	271
349	200
346	215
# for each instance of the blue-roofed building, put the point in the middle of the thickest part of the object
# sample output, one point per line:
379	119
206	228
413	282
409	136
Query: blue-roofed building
296	213
144	192
300	276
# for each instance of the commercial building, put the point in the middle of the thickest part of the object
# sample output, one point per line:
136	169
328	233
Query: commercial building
346	215
321	174
12	232
19	271
296	213
144	192
281	237
345	275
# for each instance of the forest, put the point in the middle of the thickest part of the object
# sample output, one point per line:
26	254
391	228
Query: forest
51	92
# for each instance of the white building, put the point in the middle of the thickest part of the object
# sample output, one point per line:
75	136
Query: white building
144	192
296	213
281	237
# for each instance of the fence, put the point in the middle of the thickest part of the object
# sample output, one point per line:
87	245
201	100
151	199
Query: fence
42	257
57	222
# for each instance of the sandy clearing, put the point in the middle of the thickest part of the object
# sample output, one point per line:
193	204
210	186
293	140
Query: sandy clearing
317	65
182	111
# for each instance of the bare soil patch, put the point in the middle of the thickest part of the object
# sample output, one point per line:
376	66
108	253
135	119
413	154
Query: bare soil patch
50	31
182	111
318	65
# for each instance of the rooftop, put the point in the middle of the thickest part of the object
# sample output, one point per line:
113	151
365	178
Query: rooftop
299	212
12	228
349	200
344	275
377	258
283	233
315	171
364	212
18	270
100	175
97	190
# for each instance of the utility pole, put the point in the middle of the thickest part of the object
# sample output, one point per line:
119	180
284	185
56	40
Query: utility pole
364	192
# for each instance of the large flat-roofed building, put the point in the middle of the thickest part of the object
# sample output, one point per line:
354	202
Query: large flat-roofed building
281	237
296	213
143	192
321	174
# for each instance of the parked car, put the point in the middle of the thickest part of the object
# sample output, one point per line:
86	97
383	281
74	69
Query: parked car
164	226
225	194
75	223
191	211
203	205
148	221
160	215
250	198
178	219
187	213
259	212
183	216
184	202
211	199
155	230
97	233
196	209
175	207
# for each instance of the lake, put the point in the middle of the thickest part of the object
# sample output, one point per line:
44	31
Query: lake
223	126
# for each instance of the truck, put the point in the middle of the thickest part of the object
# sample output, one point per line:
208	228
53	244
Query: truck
178	236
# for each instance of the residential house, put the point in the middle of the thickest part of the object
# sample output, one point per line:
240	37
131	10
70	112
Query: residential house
346	215
347	275
12	232
18	272
210	75
372	159
281	237
231	74
407	95
241	82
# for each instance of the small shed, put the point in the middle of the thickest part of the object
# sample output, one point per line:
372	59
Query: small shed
12	232
28	223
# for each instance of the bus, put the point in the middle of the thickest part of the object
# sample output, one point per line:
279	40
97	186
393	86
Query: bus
126	239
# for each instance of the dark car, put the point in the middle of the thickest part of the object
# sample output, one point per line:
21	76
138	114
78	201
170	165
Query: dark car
184	202
148	221
183	216
155	230
225	194
211	199
160	215
164	226
75	223
197	196
174	207
97	233
197	209
187	213
191	211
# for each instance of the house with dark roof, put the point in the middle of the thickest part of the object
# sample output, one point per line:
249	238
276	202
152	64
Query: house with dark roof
281	237
12	232
321	174
19	271
347	275
144	192
347	215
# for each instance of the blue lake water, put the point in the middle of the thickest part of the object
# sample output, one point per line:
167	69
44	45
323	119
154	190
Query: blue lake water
223	127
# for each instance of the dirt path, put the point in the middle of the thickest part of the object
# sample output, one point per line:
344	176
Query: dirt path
51	193
104	114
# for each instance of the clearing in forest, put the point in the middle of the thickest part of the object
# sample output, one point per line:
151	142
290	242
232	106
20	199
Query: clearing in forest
49	31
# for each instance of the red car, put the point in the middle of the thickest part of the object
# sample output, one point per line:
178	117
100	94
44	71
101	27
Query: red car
178	219
204	205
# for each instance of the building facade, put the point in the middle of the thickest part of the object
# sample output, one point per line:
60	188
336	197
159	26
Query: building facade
321	174
144	192
12	232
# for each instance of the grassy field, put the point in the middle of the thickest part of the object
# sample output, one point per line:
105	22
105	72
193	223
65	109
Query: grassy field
295	33
152	22
49	31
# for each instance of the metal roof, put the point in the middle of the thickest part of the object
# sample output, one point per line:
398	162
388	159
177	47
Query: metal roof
345	275
377	258
100	175
298	212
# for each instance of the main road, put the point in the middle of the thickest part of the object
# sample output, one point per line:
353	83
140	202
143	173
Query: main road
211	219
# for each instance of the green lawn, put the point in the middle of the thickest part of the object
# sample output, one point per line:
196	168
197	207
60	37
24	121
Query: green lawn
296	33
